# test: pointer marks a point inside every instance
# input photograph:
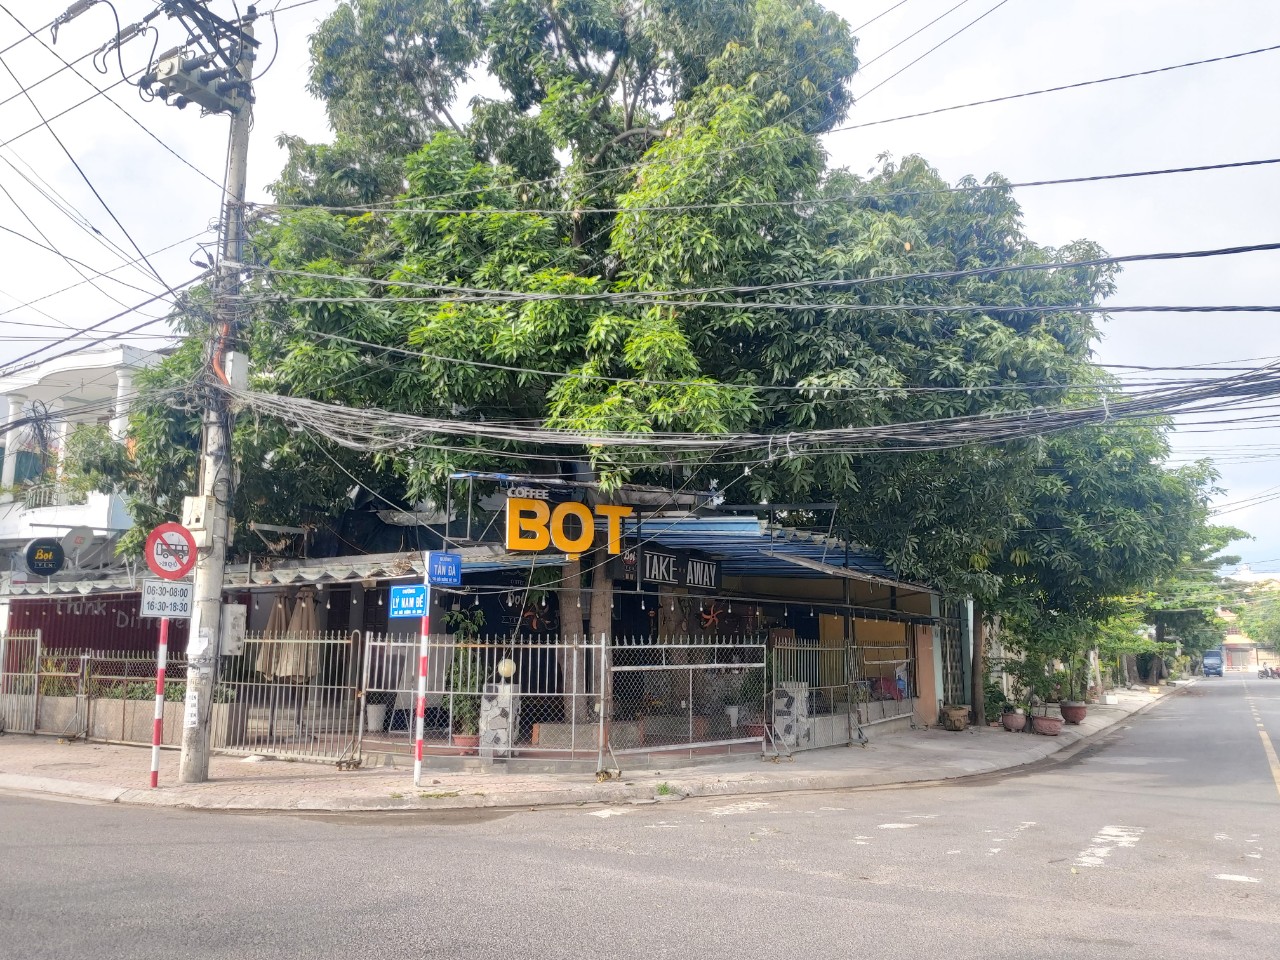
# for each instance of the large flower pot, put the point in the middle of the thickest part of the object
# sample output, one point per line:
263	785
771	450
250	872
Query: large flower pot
955	717
1014	722
467	743
1073	711
1046	726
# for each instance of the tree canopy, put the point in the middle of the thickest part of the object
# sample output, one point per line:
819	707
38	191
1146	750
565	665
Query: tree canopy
499	257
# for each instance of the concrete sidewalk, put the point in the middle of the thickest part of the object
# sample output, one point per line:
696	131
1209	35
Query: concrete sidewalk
119	774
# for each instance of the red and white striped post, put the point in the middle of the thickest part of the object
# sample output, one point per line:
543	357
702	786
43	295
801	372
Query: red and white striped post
423	649
157	732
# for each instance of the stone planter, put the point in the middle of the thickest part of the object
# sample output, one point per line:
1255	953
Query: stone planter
1014	722
1073	711
955	717
1046	726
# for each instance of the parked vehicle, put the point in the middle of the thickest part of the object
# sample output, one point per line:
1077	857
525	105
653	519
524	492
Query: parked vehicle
1212	663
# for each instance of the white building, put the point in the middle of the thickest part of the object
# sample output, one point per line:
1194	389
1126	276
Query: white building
50	401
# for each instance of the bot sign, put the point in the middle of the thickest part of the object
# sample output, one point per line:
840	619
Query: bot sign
171	551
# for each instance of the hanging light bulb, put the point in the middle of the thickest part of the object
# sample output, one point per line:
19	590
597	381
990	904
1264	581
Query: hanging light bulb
579	601
379	598
642	601
811	613
729	606
255	601
354	600
327	604
786	611
477	603
544	601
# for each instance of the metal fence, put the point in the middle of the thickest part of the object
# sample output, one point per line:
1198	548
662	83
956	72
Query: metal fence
290	696
687	695
823	690
341	696
812	693
19	681
495	697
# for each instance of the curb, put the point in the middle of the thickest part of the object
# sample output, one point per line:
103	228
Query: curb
587	794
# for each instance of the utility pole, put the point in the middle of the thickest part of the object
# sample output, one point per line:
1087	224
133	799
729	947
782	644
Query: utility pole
214	70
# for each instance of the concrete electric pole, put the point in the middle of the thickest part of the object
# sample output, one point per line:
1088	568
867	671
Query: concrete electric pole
214	71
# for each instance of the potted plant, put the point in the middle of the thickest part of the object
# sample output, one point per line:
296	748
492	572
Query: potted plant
465	683
1013	718
1073	711
466	679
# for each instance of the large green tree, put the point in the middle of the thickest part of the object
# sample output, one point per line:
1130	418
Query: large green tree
497	258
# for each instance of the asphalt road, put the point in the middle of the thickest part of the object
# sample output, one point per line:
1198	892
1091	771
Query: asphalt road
1163	840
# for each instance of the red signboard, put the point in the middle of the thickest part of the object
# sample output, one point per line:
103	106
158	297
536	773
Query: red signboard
171	551
75	623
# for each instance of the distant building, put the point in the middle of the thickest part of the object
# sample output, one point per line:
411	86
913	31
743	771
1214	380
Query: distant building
1241	652
44	405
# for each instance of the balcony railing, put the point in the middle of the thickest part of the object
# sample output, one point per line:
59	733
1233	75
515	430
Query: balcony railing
52	495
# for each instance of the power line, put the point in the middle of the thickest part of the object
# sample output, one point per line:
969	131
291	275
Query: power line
138	123
644	164
96	273
12	370
878	16
66	110
932	49
85	178
61	70
1057	89
67	209
455	293
48	246
885	53
23	40
804	202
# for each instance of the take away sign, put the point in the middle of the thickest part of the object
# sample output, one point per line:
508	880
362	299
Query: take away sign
570	527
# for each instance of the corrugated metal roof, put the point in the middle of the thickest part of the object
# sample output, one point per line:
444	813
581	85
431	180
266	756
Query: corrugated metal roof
749	547
746	547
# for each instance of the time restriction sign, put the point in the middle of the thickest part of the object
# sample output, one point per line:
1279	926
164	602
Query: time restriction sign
163	598
171	551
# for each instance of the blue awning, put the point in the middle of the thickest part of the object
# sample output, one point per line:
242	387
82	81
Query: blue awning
748	546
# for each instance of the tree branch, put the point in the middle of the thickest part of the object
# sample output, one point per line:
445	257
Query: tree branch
624	135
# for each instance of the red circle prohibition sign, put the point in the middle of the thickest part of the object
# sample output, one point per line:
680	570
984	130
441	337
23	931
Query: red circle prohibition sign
171	551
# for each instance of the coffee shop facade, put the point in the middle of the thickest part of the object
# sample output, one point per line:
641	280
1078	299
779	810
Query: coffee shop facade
729	632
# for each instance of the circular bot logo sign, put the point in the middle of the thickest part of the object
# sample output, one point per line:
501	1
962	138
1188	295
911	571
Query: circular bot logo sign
45	556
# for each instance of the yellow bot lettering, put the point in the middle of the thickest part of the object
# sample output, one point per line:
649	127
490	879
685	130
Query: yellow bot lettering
533	525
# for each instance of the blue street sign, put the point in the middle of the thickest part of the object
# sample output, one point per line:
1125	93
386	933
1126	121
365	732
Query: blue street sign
444	569
408	601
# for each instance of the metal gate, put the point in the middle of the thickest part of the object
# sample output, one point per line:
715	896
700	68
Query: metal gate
290	696
951	637
813	693
19	681
691	695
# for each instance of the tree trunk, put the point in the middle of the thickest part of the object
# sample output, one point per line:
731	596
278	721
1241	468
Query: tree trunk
979	667
572	656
